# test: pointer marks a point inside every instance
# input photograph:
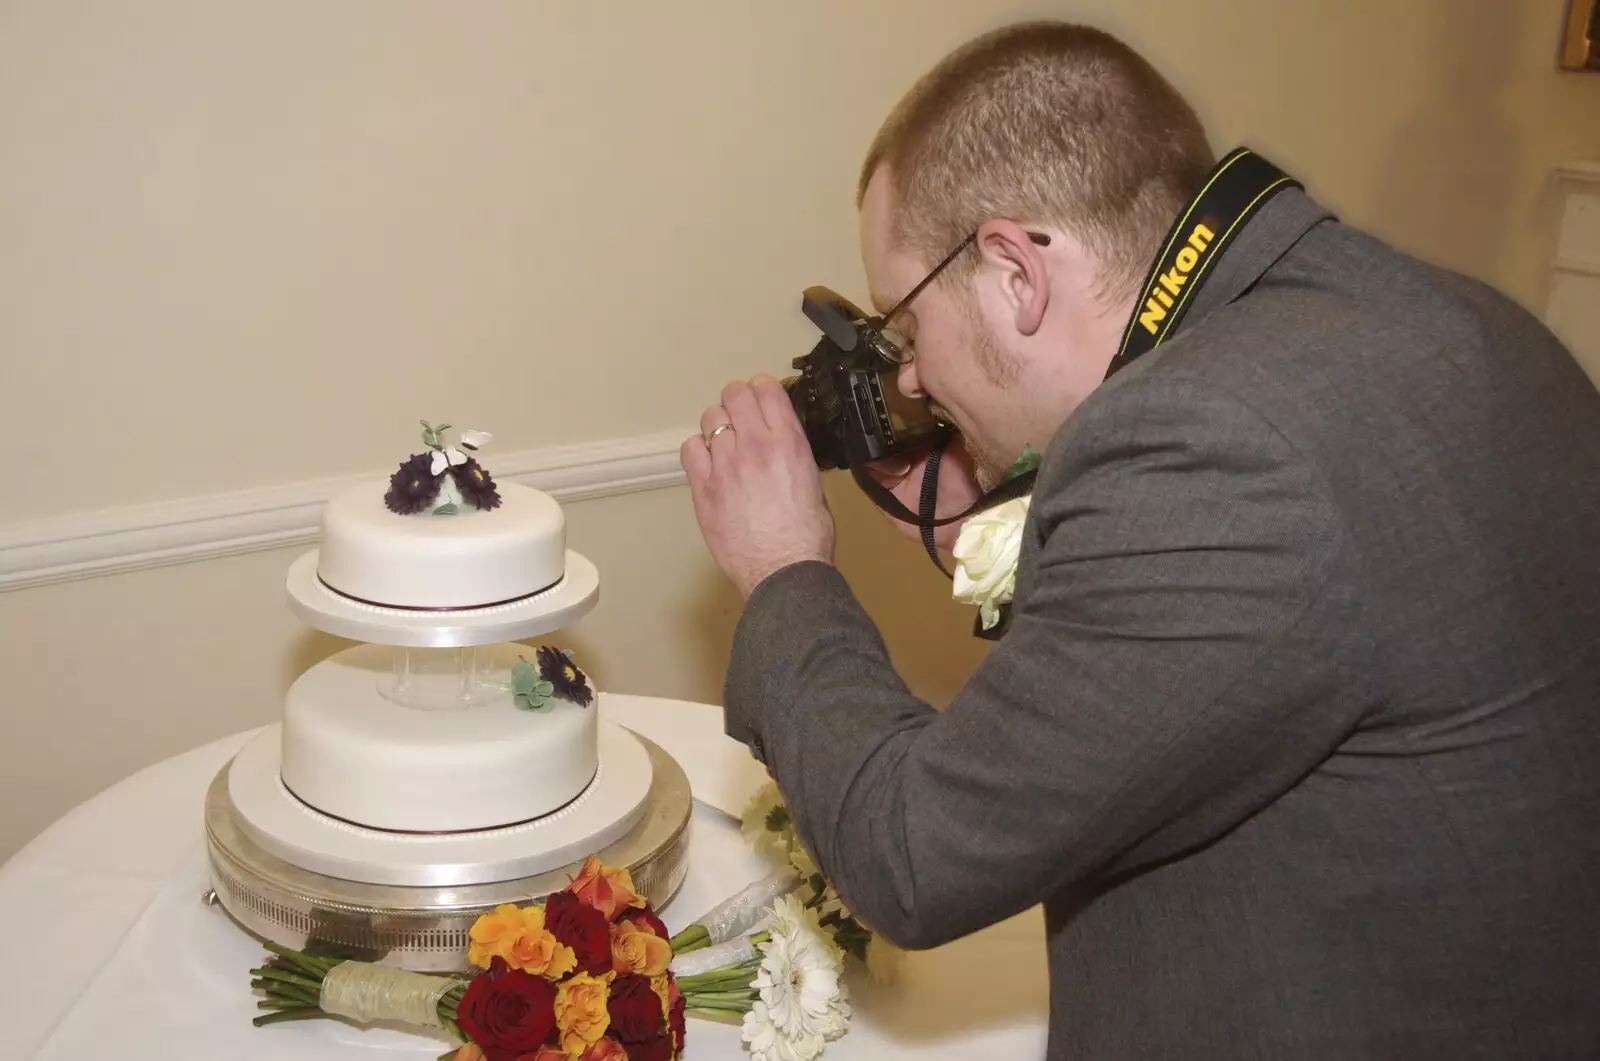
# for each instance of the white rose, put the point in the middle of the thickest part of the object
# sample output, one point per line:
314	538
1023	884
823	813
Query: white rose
986	553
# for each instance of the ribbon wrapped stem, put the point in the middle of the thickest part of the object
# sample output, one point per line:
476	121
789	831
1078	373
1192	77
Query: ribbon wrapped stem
365	993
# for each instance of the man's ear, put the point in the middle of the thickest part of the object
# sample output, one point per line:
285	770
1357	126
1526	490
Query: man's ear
1024	276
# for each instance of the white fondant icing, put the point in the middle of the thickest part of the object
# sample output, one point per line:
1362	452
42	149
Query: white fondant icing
285	827
354	755
467	560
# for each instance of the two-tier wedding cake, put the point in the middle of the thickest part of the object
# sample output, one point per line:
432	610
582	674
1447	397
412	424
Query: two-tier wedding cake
442	766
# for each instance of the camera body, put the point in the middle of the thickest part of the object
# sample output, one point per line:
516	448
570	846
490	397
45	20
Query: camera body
845	394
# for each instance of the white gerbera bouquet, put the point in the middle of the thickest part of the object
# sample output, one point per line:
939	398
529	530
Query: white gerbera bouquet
775	954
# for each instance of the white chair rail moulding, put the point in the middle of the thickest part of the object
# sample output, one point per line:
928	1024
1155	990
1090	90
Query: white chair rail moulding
1572	310
88	544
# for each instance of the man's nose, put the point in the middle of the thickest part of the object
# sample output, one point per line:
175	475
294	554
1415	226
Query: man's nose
907	380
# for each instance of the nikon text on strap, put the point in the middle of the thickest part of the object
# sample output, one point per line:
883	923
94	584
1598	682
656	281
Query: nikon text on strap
1231	194
1235	189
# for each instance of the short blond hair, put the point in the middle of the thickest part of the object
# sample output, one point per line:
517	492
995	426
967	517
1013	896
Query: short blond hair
1042	122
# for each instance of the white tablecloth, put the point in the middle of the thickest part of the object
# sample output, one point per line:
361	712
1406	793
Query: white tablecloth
108	952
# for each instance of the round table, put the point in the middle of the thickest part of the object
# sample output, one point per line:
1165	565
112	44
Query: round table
109	952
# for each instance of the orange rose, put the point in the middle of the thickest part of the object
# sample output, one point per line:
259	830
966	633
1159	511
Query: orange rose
581	1013
493	934
537	950
469	1052
634	950
607	889
518	936
546	1053
607	1049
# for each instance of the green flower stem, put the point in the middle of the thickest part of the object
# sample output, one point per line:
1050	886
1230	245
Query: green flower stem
732	983
316	967
287	1014
314	986
701	998
715	1011
454	1029
727	970
740	977
294	997
691	938
289	976
734	987
278	989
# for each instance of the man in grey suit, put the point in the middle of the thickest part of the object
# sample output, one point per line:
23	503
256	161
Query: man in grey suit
1295	729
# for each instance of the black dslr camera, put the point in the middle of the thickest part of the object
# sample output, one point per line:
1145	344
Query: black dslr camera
845	394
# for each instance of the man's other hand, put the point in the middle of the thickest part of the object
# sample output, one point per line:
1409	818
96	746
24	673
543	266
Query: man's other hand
958	488
756	489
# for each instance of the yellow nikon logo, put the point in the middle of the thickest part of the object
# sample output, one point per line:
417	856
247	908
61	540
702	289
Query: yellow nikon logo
1171	282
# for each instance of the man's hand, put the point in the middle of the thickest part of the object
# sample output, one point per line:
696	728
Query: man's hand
757	492
958	489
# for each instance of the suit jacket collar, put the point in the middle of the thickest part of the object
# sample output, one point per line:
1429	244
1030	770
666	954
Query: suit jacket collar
1265	238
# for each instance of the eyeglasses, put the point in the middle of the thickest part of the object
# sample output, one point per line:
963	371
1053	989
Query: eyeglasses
891	344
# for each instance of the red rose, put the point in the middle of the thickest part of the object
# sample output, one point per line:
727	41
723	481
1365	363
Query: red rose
581	927
644	918
675	1015
507	1012
635	1010
656	1049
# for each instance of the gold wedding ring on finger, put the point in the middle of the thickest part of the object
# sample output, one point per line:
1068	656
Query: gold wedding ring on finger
714	432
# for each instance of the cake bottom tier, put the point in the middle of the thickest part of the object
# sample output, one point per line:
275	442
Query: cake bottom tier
424	928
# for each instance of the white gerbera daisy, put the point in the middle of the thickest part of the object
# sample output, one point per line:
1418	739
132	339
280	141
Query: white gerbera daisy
799	976
802	861
768	1043
765	822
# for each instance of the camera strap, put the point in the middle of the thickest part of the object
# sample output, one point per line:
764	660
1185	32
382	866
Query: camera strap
924	517
1235	189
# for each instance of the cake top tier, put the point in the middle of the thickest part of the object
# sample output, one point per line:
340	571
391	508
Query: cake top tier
444	535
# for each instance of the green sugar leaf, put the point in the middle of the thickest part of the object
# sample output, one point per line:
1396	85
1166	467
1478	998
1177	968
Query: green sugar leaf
530	692
523	676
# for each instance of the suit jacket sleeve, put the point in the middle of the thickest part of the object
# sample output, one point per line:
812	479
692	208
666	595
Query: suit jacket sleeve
1167	673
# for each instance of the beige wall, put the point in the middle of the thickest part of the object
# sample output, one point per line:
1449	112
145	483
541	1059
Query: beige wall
245	244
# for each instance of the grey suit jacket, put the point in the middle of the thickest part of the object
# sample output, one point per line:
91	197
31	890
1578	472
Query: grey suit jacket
1296	732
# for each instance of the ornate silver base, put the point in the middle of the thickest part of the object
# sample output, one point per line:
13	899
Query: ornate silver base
422	929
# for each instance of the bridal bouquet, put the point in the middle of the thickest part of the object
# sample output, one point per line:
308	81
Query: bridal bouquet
591	974
582	977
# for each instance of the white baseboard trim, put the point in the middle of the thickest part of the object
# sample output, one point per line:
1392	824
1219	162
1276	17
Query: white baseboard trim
81	545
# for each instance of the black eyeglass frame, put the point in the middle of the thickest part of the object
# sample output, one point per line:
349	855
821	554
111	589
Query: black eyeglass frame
896	353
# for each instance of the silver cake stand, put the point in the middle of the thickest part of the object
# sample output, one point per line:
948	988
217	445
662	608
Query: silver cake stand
423	927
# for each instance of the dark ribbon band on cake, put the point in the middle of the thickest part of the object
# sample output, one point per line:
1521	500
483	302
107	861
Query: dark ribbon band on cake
439	611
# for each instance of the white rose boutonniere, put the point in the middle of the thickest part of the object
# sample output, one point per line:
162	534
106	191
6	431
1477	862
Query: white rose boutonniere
989	546
986	553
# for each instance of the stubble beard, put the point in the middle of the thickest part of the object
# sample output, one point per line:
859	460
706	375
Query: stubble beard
987	466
